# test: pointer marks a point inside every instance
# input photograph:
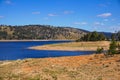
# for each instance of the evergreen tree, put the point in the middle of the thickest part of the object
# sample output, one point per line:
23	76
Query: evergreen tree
113	47
113	36
93	36
101	37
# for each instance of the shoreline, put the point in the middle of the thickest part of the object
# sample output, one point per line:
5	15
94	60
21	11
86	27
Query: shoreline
31	40
59	57
74	46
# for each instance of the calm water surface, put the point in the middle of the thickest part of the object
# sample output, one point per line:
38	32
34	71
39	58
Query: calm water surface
18	50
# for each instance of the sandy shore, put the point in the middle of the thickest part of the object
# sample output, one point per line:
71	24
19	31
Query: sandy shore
74	46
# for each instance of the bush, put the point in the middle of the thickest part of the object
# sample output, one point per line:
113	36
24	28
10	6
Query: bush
100	50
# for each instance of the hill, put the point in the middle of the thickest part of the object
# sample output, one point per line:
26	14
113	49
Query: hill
39	32
107	34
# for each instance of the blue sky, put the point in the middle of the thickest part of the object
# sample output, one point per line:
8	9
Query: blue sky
100	15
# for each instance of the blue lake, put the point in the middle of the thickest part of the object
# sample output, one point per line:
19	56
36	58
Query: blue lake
18	50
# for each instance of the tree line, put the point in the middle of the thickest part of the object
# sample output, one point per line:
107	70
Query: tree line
93	36
96	36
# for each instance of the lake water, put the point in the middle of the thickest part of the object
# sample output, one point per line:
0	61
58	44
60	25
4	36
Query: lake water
18	50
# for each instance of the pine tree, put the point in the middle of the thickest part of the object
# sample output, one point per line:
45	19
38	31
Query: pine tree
101	37
113	47
93	36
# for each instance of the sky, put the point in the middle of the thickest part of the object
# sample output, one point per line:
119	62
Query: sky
92	15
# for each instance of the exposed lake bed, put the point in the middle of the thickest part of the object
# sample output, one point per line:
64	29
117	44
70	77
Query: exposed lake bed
74	46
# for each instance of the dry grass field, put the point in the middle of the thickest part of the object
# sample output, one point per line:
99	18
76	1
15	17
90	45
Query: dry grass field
89	67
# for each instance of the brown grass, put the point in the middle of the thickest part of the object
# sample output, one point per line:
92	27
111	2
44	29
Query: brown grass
74	46
89	67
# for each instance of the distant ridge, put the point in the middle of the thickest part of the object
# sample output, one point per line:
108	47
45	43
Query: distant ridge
47	32
107	34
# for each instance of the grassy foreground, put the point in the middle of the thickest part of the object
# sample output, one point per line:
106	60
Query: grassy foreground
89	67
74	46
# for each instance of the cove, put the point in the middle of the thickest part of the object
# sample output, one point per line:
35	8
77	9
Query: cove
18	50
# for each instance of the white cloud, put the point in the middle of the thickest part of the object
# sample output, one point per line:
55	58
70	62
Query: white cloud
68	12
1	16
104	15
36	12
98	24
52	15
80	23
8	1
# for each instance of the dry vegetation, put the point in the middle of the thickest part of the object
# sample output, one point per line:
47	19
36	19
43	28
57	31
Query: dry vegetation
74	46
89	67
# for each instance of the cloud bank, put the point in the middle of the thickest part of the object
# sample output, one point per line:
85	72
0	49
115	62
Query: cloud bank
104	15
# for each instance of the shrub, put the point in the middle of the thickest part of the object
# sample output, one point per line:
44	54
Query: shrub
100	50
112	49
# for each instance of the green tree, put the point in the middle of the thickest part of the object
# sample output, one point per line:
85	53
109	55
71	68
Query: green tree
100	50
113	46
3	34
101	37
93	36
113	36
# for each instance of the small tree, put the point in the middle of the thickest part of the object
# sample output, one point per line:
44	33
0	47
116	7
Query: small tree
113	37
112	49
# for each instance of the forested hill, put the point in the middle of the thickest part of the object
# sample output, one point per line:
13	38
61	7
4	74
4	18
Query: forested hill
39	32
